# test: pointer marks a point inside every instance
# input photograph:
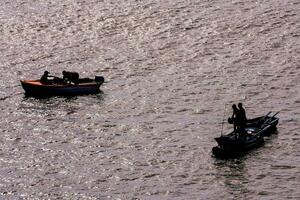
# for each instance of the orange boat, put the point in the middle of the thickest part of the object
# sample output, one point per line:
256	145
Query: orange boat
57	87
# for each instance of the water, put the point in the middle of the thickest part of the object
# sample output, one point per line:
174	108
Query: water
172	69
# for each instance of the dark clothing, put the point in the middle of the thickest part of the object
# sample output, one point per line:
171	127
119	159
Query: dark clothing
239	119
234	118
44	79
242	117
69	77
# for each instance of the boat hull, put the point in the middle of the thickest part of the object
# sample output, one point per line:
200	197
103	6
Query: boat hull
36	88
236	148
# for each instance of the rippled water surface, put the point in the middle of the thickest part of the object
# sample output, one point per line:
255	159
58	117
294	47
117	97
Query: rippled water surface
172	69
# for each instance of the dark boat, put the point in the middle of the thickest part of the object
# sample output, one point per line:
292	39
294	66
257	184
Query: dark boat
232	144
57	87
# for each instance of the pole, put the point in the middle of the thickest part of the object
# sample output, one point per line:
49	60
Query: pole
223	119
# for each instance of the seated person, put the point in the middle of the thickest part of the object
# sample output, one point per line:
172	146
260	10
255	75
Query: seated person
44	78
70	77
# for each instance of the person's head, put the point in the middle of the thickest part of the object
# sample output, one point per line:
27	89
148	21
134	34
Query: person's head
240	105
46	72
63	72
234	106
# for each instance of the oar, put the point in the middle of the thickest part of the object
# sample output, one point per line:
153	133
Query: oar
270	118
274	115
223	119
268	114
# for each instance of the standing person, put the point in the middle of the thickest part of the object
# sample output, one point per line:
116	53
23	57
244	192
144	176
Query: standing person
242	117
234	117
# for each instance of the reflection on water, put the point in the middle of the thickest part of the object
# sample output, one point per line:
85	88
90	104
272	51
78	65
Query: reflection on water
233	174
70	104
48	105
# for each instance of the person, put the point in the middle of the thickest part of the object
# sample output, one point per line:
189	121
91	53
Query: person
70	77
242	117
44	78
234	118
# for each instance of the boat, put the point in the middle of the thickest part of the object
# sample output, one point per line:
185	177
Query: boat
57	87
235	144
